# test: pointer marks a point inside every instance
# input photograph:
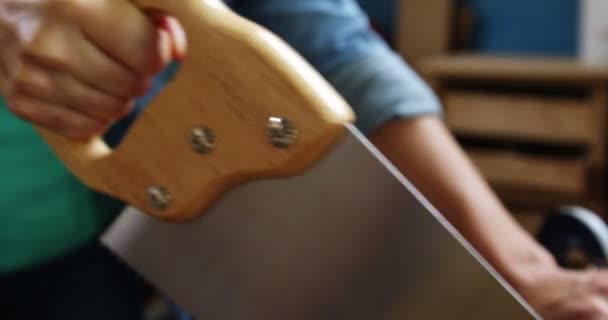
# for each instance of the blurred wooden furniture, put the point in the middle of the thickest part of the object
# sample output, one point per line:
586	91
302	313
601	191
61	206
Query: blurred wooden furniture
536	127
417	20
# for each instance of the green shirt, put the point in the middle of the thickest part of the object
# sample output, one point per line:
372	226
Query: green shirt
44	210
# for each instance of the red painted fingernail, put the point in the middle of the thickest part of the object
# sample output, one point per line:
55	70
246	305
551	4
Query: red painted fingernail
162	21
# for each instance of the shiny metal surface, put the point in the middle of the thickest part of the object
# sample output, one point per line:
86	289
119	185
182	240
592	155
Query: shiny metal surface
159	197
349	239
203	140
282	132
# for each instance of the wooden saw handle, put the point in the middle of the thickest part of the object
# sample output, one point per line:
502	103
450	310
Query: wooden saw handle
236	77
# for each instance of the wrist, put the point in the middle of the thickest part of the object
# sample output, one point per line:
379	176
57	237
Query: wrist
512	251
523	266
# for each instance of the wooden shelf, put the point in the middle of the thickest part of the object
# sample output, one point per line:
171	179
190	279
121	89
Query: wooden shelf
537	118
534	126
503	68
540	173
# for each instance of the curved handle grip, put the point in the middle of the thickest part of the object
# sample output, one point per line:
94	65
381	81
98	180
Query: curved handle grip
236	77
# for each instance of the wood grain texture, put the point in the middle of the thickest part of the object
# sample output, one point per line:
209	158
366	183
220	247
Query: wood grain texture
505	68
600	119
504	169
529	117
235	77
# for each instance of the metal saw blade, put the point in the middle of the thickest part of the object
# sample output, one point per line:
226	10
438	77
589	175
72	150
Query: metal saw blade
348	239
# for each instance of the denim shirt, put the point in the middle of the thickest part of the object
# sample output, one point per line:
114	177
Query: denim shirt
336	38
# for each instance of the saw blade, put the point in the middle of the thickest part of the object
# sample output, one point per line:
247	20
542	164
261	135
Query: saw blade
348	239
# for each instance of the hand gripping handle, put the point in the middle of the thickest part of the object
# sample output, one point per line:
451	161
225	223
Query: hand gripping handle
243	106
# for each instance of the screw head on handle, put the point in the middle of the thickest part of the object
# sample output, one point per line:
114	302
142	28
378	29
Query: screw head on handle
159	197
282	132
203	140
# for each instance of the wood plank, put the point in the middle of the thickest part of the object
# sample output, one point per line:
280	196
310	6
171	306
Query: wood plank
538	199
600	118
505	168
599	156
545	119
511	68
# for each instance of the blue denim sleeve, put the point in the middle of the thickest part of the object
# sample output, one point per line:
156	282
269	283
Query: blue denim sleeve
336	38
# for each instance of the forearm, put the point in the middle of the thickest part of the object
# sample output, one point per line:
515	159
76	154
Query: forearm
432	160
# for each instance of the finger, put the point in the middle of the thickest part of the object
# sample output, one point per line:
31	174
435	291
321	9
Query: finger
62	89
9	62
598	309
91	102
170	25
598	281
580	307
178	37
123	31
62	47
53	117
5	82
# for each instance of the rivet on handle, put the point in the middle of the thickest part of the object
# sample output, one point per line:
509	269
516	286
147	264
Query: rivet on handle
282	132
159	198
203	140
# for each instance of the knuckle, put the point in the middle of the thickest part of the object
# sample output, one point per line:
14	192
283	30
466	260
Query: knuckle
52	121
38	52
49	48
30	81
19	107
29	112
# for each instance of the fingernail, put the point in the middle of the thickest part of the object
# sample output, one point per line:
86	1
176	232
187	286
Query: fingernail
178	35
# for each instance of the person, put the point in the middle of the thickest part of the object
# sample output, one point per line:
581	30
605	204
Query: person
77	67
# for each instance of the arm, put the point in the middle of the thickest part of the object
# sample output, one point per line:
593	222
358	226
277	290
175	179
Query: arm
336	38
459	192
400	114
442	172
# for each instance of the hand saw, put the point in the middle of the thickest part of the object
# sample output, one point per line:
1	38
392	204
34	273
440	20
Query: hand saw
253	196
